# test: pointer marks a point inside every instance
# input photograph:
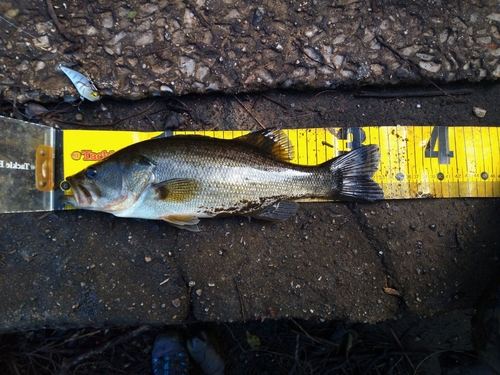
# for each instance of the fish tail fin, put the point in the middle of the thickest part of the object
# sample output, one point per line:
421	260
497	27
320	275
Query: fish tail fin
353	174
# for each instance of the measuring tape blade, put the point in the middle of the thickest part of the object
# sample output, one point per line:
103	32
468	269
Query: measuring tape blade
416	161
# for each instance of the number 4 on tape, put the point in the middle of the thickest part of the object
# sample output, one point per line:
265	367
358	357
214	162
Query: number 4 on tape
440	137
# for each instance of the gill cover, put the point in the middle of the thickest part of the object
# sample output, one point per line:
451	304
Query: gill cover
113	184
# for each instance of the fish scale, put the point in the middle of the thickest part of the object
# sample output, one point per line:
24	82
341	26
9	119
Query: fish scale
244	175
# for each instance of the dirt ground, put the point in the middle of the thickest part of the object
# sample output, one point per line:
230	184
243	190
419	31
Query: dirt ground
311	289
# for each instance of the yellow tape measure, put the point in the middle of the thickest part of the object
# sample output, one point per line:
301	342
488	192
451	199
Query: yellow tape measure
416	161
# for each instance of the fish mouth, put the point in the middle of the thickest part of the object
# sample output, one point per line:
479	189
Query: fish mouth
82	197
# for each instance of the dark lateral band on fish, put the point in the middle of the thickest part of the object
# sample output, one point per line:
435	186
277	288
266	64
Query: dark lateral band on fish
183	179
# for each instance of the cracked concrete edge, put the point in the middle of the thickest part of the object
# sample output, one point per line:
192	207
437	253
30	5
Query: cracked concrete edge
87	280
435	253
159	48
153	289
156	279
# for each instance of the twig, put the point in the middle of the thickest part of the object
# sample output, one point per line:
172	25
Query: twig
110	123
58	24
342	225
411	93
297	345
13	365
234	338
104	347
256	101
440	352
303	330
250	113
415	67
274	101
152	123
401	346
318	340
243	314
76	337
197	14
43	216
270	99
171	107
327	92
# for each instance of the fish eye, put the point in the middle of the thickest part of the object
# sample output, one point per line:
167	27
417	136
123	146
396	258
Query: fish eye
90	172
65	185
95	94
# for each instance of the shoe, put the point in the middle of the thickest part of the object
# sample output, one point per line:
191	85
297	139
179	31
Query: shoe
203	352
169	355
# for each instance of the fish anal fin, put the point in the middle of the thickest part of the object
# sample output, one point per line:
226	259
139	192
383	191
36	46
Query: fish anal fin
278	211
183	221
273	142
177	190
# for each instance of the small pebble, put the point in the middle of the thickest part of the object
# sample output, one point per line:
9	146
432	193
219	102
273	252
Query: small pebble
479	112
176	302
175	121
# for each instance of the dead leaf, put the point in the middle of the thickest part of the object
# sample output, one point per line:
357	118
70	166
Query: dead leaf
253	340
392	292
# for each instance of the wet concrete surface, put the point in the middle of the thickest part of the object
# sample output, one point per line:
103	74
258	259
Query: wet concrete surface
332	260
139	49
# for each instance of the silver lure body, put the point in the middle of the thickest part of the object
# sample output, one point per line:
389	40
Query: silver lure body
83	85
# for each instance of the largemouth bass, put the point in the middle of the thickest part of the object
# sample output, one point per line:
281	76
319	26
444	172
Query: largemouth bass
184	178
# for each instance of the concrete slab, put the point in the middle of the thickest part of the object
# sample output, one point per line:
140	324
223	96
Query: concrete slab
70	269
161	48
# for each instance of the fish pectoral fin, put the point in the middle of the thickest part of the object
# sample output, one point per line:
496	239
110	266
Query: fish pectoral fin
278	211
273	142
185	221
177	190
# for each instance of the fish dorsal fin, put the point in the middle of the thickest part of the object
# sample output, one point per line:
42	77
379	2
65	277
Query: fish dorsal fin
273	142
177	190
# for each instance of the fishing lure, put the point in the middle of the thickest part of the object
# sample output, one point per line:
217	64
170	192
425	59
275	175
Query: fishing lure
85	88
